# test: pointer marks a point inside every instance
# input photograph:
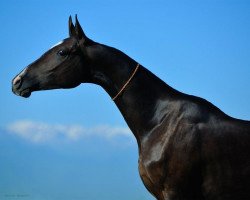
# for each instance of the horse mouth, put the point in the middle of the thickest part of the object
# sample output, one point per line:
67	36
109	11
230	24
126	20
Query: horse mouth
23	93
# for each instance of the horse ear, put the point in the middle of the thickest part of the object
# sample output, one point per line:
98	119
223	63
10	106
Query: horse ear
79	32
71	27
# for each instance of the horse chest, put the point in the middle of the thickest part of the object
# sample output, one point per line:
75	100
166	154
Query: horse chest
151	175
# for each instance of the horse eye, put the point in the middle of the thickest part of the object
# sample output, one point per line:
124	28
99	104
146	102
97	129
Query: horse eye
63	53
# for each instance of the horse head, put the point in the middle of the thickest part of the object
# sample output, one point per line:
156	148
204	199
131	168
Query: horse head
62	66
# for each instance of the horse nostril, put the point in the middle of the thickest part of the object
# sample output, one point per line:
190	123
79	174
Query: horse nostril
17	81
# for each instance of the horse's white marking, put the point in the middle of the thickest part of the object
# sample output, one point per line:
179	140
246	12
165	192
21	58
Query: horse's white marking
23	71
57	44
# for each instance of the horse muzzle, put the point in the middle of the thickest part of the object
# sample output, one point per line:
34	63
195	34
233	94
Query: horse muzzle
19	88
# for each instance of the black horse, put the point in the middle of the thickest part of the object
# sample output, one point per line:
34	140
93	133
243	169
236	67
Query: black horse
188	148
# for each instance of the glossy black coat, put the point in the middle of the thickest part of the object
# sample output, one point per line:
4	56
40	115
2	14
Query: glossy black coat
188	148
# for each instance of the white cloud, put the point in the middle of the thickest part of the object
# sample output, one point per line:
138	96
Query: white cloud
40	132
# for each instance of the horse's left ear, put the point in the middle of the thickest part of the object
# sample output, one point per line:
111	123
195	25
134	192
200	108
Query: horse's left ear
71	28
79	32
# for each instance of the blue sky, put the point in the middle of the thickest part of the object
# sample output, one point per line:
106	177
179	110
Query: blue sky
74	144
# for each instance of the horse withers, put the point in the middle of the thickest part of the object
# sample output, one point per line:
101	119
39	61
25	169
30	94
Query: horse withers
188	148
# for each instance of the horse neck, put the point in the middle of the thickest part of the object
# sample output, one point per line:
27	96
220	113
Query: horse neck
138	102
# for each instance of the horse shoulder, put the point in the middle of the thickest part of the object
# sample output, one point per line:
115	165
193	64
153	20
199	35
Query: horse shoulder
170	154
